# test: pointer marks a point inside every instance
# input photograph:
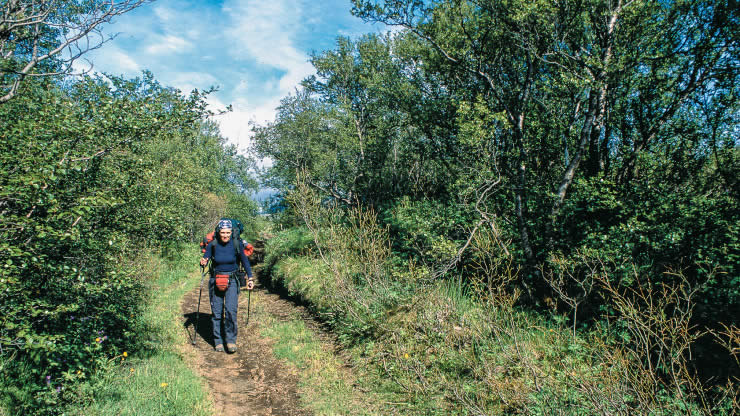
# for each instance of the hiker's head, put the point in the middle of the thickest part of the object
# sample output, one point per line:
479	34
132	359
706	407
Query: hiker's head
224	234
224	230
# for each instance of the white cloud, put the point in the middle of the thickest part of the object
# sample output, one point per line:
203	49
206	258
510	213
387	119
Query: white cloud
236	124
233	125
165	14
241	87
188	81
263	33
266	33
169	44
109	59
125	62
255	51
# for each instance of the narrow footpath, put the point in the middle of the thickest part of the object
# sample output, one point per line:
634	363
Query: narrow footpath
251	381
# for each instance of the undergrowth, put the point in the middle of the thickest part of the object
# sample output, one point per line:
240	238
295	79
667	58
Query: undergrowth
155	380
433	346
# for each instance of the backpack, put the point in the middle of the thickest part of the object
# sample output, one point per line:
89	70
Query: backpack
206	241
236	228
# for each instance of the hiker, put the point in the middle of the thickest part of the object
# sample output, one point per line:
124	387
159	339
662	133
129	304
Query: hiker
223	286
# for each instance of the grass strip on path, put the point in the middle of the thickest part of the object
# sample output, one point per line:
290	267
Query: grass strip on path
324	385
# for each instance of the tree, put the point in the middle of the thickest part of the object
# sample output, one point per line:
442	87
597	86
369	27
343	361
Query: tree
45	37
93	174
575	82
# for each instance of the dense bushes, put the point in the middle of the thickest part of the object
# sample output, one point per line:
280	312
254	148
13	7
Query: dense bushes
432	346
597	160
477	116
94	172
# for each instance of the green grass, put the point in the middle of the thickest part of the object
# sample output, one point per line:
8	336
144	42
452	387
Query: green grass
437	352
160	383
307	278
325	388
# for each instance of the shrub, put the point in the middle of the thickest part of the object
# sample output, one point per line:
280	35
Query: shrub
93	173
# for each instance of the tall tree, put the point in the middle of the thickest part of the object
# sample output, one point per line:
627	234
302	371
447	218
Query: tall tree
567	65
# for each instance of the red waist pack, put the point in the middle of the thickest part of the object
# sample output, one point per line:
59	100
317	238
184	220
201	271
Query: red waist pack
222	281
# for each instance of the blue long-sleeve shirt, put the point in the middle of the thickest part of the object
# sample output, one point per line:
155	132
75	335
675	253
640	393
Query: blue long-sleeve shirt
224	257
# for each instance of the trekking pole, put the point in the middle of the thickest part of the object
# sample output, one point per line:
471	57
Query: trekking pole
249	300
197	314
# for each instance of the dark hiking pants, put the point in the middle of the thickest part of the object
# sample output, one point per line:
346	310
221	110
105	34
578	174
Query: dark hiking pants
226	302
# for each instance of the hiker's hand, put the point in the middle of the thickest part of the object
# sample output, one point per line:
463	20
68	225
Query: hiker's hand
250	284
203	261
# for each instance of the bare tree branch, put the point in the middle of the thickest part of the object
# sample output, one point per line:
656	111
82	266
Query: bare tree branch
33	32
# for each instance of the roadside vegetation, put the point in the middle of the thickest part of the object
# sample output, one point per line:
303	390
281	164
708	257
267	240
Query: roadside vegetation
447	346
159	379
99	177
521	208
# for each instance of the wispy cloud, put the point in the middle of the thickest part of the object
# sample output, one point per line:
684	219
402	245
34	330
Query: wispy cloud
188	81
124	62
265	32
255	51
169	44
164	13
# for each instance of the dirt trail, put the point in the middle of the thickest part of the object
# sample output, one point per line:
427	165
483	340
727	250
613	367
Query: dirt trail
251	381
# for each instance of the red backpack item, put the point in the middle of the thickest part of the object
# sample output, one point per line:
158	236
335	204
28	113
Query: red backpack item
248	248
206	241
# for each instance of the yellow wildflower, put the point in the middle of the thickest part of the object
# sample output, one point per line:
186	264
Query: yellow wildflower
132	370
125	354
163	385
97	339
406	356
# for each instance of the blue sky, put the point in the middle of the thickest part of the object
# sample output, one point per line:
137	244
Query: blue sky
254	51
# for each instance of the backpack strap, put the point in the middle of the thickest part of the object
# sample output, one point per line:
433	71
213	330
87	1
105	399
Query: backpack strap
237	252
237	246
210	263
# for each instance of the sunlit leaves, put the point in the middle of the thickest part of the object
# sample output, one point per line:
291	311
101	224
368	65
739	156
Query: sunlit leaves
94	172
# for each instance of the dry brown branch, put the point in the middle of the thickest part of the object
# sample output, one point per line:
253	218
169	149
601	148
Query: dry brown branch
656	356
729	338
350	243
572	280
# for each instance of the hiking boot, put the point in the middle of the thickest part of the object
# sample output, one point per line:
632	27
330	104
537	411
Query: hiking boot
219	348
231	347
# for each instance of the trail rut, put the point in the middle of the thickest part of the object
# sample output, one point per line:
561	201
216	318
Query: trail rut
251	381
